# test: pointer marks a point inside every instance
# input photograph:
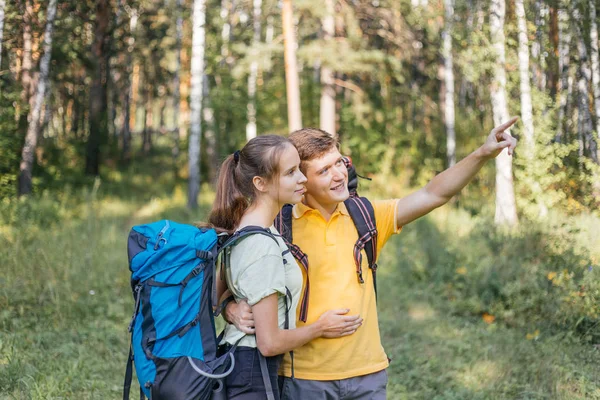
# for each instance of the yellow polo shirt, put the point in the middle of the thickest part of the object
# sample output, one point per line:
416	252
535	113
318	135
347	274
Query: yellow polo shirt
334	284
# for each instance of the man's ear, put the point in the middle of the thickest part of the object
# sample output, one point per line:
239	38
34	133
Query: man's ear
260	184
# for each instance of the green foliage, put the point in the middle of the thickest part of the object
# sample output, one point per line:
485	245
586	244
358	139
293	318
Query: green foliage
10	144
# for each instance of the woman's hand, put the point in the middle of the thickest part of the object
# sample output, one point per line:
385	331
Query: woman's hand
335	323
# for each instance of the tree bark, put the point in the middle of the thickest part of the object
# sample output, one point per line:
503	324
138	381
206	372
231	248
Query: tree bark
506	210
251	107
197	73
2	5
291	68
526	105
210	134
98	118
587	143
176	86
26	66
128	93
327	106
28	153
449	83
564	44
595	63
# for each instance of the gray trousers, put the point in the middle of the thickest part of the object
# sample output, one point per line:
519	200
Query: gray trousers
366	387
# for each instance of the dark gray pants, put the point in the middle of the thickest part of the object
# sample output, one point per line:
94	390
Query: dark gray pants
366	387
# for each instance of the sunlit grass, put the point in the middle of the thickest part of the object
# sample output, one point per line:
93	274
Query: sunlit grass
65	299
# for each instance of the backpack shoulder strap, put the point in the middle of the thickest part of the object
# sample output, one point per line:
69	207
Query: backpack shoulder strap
363	215
283	223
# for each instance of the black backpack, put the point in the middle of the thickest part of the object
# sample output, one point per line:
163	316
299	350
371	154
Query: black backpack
363	215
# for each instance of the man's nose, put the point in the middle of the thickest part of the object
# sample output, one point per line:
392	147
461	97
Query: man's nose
340	173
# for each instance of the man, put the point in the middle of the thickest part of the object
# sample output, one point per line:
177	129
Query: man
354	366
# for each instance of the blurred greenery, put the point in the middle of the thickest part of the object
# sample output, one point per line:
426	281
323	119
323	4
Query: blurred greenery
466	311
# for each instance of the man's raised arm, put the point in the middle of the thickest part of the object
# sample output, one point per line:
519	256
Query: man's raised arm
451	181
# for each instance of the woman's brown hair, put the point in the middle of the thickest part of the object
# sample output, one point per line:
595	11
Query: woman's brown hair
235	189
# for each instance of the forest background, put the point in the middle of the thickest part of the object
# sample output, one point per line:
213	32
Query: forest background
118	112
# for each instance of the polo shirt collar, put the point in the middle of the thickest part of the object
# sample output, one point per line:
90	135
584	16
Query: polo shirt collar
301	209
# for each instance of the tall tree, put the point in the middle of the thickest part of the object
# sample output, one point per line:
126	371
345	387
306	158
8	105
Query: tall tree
26	60
327	107
587	143
98	117
291	68
28	153
2	5
595	63
506	209
449	82
128	93
564	94
197	74
525	86
177	83
208	114
251	108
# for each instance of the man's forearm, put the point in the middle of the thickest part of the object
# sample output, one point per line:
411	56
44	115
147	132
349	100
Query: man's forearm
452	180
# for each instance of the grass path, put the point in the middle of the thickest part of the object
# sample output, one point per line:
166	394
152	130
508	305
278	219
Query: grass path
65	303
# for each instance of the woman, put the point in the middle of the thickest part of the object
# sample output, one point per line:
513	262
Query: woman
253	185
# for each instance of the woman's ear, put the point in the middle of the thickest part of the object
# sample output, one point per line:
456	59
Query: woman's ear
260	184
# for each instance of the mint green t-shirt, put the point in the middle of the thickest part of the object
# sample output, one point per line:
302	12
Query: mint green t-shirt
256	269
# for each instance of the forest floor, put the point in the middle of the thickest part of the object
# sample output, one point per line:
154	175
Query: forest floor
65	303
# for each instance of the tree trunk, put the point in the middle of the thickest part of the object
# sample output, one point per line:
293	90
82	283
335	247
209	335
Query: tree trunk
28	153
226	9
98	118
595	63
197	73
449	83
148	118
176	83
2	5
564	43
208	114
291	68
506	210
26	65
587	143
251	108
128	92
327	106
526	106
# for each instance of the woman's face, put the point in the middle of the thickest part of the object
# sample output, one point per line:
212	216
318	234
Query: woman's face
288	187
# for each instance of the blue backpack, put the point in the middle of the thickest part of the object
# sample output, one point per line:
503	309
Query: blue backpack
173	338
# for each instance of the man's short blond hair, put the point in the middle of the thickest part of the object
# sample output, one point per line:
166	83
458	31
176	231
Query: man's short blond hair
313	143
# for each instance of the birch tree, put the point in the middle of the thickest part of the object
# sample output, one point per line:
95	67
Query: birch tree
506	210
449	82
525	86
197	73
2	5
564	94
28	153
176	83
587	143
595	63
291	68
251	108
327	106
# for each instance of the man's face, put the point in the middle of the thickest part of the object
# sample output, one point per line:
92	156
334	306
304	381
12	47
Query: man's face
327	180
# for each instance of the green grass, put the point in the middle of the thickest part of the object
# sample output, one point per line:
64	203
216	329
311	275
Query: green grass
65	300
